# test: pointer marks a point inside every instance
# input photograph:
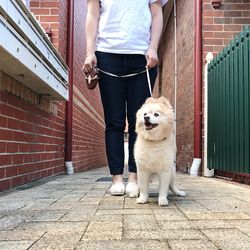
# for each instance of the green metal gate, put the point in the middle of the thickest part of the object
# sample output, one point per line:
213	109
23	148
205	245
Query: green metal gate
229	107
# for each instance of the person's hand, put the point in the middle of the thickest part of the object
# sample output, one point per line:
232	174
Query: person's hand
89	63
151	57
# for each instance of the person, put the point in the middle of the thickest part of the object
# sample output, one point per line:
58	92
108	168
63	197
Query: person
122	38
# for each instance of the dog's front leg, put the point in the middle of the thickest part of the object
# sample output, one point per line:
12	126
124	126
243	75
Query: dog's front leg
143	180
163	190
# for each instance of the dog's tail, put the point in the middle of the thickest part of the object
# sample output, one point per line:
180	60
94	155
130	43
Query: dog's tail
176	191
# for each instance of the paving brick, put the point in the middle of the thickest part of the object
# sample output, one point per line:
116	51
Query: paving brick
54	226
242	225
12	220
102	226
218	216
108	217
217	206
15	245
57	240
99	230
164	234
191	206
62	205
194	224
124	211
91	200
72	197
95	193
110	205
38	204
230	239
20	235
10	204
191	244
102	235
168	214
124	244
40	217
80	214
140	222
49	215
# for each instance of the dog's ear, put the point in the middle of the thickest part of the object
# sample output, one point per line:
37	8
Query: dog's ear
150	100
164	101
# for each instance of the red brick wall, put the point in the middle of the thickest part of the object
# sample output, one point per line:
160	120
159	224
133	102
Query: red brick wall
53	14
48	14
32	140
63	20
185	98
221	25
88	124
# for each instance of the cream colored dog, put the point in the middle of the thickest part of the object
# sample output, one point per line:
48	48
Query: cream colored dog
155	148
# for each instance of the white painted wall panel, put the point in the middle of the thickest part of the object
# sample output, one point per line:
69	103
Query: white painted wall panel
22	21
24	45
28	63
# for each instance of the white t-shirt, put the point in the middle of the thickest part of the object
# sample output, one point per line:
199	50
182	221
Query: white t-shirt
124	26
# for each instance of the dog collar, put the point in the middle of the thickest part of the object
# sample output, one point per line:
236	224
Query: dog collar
165	138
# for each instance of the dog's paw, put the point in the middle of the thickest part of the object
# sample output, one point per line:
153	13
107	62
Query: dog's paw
182	194
142	200
133	195
162	201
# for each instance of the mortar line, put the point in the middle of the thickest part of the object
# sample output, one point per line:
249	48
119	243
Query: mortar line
37	240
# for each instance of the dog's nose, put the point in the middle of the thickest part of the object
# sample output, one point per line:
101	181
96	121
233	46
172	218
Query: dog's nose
146	118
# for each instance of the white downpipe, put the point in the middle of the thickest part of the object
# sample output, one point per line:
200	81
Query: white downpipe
207	172
175	71
195	167
69	167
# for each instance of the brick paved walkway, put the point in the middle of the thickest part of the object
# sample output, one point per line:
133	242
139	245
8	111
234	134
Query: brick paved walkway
75	212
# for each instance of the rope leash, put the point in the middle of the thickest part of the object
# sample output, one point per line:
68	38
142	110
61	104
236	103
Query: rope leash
130	75
149	82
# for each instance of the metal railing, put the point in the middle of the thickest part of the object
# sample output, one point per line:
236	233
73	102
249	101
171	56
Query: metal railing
228	139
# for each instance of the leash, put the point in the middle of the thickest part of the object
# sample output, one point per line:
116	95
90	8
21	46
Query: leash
130	75
149	82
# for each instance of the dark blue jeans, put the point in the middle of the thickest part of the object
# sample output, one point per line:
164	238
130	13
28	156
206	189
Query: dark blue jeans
122	97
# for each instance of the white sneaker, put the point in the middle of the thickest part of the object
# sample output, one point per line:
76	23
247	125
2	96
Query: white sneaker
132	189
117	189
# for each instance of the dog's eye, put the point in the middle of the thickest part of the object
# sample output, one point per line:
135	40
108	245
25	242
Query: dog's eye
156	114
145	114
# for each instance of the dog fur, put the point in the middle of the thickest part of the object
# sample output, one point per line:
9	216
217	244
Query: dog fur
155	148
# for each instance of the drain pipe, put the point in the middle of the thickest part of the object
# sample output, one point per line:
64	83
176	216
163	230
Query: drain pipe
69	103
197	88
207	172
175	72
175	77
